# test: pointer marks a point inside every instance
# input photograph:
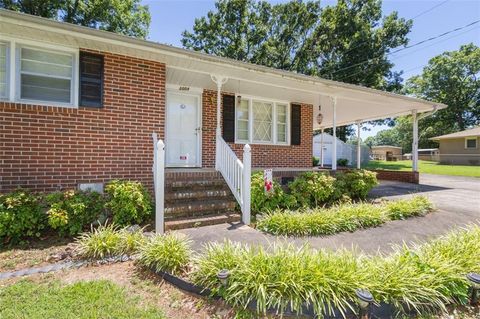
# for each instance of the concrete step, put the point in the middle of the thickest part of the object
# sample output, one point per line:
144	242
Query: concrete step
173	197
205	220
197	208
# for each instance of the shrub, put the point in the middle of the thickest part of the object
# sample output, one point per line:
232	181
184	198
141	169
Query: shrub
356	183
168	253
109	240
21	216
340	218
405	208
315	161
342	162
263	202
312	189
128	202
71	211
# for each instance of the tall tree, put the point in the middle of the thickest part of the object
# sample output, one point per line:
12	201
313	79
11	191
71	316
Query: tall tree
452	78
127	17
303	37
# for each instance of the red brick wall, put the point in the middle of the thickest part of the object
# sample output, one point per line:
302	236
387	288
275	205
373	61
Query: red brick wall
47	148
262	155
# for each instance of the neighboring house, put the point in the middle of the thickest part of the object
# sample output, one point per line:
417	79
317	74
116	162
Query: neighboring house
78	107
386	153
425	154
461	148
344	150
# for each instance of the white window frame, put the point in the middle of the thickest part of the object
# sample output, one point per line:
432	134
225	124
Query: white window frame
8	71
13	69
251	120
470	139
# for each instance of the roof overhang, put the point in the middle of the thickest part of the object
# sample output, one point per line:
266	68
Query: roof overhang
194	69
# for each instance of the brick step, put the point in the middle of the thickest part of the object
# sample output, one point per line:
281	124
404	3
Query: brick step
197	208
192	195
192	175
205	220
196	184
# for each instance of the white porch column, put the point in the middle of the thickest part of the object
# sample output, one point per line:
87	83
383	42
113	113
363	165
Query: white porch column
159	184
359	145
321	148
247	172
334	127
415	142
219	81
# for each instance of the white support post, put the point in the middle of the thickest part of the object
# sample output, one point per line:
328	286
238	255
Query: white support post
219	81
247	171
415	142
159	183
334	127
359	145
321	148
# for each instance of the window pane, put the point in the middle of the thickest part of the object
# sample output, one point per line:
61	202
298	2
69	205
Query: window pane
45	89
262	124
281	123
472	143
3	70
242	120
52	78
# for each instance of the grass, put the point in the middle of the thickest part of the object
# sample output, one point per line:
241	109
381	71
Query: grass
427	167
341	218
424	278
91	299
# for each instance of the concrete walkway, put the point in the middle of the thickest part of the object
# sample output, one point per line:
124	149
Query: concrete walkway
456	198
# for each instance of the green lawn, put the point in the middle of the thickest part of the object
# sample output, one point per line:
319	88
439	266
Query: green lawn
427	167
89	299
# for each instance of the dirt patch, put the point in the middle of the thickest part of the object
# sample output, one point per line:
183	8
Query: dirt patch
35	254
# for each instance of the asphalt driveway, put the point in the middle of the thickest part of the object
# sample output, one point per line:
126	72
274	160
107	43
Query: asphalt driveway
456	198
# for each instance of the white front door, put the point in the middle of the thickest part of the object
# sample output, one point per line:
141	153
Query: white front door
183	130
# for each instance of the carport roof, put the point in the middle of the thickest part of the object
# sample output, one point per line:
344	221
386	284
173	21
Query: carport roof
194	69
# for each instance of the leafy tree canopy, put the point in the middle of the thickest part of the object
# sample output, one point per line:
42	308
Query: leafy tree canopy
304	37
121	16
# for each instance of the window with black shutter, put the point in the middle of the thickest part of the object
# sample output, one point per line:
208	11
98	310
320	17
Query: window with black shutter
228	122
91	79
296	129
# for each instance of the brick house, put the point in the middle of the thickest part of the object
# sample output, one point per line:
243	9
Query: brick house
79	106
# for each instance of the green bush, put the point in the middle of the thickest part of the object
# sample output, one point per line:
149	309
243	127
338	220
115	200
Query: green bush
109	240
168	253
315	161
422	279
340	218
262	202
71	211
312	189
128	202
405	208
355	183
342	162
21	216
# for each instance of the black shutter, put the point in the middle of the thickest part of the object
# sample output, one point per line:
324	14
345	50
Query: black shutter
228	123
296	119
91	79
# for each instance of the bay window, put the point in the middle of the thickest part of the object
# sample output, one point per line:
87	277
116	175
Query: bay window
46	75
261	122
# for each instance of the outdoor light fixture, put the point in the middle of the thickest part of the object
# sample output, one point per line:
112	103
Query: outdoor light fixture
365	299
239	100
320	115
474	280
223	275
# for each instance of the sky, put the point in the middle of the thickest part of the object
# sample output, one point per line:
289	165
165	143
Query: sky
430	19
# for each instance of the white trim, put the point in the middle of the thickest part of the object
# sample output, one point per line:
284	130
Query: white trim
251	99
8	72
471	139
198	95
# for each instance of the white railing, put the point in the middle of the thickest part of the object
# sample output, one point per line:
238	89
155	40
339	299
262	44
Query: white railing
236	174
159	182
